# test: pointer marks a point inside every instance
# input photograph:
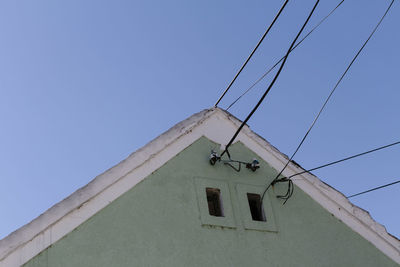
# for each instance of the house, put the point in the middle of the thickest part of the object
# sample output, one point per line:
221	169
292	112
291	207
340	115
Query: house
166	205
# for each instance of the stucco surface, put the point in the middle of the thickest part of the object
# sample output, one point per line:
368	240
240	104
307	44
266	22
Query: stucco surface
157	223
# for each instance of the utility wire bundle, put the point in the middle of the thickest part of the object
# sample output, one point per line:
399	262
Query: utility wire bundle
283	60
272	82
288	195
280	60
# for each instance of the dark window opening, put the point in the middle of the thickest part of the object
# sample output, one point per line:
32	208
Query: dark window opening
214	202
256	207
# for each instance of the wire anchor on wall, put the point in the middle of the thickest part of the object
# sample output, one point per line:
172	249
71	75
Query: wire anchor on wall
214	158
289	191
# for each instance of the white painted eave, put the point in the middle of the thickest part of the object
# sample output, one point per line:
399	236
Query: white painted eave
218	126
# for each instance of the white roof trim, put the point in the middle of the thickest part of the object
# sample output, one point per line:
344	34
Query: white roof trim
218	126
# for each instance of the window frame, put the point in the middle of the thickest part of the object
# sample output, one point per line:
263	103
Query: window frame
248	222
228	219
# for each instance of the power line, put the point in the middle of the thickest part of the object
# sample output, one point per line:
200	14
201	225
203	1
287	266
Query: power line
344	159
289	191
280	60
254	50
330	94
273	81
373	189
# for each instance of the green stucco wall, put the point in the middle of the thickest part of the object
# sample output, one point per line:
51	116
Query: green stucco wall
158	223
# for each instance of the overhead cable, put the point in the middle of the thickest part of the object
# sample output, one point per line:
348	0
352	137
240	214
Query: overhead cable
288	179
373	189
329	96
254	50
272	83
345	159
280	60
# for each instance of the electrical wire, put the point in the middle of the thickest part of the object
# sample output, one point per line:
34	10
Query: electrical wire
280	60
273	81
330	94
373	189
254	50
284	179
345	159
289	191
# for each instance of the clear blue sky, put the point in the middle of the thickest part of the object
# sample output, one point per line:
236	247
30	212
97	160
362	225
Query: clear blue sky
85	83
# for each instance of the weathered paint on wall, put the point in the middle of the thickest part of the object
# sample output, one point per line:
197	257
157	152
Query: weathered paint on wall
158	223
